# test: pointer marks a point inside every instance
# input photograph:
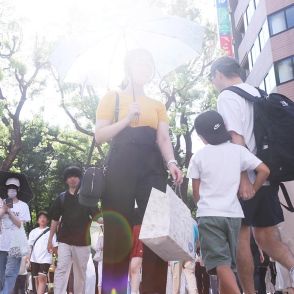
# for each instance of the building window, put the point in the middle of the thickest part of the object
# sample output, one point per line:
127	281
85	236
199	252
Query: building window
263	35
245	66
270	80
258	45
262	85
290	17
250	63
277	23
255	51
281	20
245	21
285	70
250	10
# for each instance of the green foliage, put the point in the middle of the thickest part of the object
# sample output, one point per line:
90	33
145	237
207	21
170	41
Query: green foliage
19	66
47	150
83	102
188	91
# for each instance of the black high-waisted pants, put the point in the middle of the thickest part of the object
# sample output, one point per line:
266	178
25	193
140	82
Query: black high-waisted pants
135	165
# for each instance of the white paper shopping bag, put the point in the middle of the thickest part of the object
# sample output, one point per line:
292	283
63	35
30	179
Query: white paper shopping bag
168	228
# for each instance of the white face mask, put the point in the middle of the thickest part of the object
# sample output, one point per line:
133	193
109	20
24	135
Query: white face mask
12	193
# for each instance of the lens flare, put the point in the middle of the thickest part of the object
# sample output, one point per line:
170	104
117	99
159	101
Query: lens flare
119	233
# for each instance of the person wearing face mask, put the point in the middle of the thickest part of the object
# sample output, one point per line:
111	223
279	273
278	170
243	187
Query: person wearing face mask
13	213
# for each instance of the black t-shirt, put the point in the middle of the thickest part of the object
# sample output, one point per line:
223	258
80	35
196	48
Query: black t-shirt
74	228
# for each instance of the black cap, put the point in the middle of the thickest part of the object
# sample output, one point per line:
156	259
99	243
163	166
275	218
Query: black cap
210	125
72	171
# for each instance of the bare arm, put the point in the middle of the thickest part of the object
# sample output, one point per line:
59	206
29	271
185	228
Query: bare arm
262	175
2	211
14	218
195	187
105	130
237	139
166	149
164	142
246	189
53	229
3	208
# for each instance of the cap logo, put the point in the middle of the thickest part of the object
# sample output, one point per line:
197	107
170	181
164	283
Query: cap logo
216	126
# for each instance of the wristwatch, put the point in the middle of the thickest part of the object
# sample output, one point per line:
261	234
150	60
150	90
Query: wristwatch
172	161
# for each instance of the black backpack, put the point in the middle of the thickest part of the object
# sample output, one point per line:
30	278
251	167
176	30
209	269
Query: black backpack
273	131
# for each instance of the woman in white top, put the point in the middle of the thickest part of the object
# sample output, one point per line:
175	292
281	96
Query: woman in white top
40	258
13	214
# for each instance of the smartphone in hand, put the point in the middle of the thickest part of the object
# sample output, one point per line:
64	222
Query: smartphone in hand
9	202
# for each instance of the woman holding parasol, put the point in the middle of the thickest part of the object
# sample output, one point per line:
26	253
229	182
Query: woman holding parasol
140	145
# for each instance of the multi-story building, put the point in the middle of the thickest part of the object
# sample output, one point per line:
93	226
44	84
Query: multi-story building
263	39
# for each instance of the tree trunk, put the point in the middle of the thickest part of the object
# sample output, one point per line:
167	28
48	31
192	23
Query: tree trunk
15	148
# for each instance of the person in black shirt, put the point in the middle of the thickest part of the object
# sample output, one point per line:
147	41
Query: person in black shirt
73	222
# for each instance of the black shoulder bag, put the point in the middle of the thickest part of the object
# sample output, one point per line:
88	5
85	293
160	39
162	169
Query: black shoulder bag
93	181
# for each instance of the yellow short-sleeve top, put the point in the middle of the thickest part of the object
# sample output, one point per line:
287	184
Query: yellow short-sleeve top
151	111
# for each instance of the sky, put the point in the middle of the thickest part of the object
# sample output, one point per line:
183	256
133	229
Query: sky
50	20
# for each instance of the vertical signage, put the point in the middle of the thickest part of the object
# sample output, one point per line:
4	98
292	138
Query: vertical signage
224	26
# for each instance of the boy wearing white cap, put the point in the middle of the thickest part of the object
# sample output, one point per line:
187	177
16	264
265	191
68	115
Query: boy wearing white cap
13	213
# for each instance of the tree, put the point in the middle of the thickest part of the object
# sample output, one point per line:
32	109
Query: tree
19	81
42	151
79	104
183	91
187	90
46	151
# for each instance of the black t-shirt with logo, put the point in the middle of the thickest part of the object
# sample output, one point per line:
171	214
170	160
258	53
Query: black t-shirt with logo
74	228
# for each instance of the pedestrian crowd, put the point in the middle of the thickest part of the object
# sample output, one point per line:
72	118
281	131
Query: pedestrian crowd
238	209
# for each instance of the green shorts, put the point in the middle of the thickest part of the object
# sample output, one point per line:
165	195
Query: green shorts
218	241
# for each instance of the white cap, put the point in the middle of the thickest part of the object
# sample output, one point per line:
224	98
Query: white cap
13	181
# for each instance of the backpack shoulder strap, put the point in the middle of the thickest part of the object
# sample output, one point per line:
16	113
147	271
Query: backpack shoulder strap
43	233
289	205
62	198
262	93
242	93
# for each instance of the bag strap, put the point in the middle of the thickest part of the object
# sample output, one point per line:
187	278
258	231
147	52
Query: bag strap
177	189
116	109
116	117
289	205
262	93
243	94
43	233
62	198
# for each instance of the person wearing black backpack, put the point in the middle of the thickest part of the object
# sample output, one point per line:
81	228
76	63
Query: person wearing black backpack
262	210
73	222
